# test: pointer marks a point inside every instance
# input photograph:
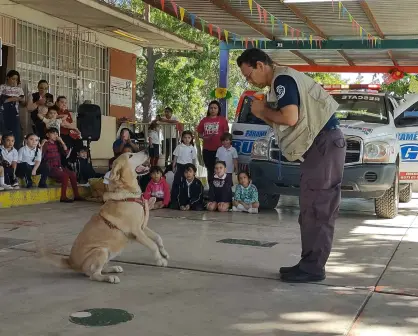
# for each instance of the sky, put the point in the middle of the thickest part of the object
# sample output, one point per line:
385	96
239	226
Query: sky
367	77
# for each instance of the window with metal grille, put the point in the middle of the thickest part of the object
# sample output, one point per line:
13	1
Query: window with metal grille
73	63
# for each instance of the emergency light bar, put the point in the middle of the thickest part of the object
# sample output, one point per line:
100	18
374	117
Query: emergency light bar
330	87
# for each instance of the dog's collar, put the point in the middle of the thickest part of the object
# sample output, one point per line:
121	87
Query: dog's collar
139	200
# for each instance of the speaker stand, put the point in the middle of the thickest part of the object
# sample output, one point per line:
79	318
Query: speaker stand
88	150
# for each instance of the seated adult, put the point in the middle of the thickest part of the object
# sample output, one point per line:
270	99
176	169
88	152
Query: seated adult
123	140
71	137
37	99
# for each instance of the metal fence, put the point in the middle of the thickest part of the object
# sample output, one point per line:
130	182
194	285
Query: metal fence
167	133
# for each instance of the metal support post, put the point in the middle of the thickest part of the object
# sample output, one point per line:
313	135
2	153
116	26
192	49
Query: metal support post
223	76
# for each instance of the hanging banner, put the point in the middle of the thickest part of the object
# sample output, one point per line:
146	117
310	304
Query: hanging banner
250	4
226	35
181	14
174	7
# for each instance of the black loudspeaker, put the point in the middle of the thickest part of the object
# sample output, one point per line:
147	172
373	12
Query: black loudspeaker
89	121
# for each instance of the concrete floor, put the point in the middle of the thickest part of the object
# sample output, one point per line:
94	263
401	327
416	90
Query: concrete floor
211	288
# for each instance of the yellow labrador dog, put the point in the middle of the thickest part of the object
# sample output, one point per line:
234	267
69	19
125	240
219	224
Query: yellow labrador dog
123	218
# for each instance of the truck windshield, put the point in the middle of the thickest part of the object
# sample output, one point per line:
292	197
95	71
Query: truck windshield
245	116
367	108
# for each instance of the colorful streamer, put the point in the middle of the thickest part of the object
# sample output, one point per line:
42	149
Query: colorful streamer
283	28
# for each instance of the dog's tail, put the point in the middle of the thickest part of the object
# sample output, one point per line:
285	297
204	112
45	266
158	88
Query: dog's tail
56	260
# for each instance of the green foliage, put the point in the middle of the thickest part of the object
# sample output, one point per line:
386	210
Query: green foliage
183	80
327	78
400	87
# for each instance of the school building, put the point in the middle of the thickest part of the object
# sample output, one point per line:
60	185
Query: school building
85	49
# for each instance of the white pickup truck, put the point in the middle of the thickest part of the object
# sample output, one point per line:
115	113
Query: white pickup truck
381	132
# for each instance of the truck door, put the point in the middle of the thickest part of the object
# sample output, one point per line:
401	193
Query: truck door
246	129
406	122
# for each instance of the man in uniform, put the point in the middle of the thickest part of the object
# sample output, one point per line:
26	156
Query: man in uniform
302	115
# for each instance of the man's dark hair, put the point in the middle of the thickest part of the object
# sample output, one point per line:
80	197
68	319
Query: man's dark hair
52	130
83	149
252	56
226	136
190	166
169	109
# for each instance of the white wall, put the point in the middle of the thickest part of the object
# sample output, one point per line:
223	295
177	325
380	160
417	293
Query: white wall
27	14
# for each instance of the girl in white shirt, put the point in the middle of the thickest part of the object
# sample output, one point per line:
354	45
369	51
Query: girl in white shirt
154	143
183	154
29	162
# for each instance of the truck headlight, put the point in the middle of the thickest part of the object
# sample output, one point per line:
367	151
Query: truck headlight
260	149
376	152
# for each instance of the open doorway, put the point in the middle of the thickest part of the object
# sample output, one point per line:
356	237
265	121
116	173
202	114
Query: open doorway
7	61
4	65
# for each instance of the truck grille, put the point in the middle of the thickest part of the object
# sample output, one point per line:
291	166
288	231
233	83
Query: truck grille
353	155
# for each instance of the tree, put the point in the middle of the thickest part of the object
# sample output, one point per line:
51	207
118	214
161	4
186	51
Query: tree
183	80
399	87
327	78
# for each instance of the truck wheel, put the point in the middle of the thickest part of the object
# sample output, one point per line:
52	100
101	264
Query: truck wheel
386	206
268	201
405	195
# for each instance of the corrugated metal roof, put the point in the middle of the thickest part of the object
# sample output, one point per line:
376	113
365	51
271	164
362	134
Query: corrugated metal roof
395	19
99	16
334	25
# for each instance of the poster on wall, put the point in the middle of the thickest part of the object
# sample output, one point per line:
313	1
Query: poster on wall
120	92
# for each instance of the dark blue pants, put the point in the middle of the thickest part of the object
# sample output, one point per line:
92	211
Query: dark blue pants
320	197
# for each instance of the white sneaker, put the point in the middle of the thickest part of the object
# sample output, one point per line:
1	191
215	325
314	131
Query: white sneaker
6	187
235	209
16	187
253	210
240	207
1	188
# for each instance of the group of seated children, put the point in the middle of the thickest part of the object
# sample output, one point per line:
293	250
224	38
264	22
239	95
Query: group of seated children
187	190
45	159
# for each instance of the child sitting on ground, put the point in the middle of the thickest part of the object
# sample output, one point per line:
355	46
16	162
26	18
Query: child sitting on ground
228	154
29	162
246	195
220	189
52	151
83	167
158	188
3	186
190	191
8	160
183	154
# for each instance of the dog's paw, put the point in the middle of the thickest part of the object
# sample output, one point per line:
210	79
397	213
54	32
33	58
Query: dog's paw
162	262
117	269
164	253
113	279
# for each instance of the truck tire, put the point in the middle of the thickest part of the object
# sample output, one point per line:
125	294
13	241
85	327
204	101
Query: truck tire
386	206
405	195
268	201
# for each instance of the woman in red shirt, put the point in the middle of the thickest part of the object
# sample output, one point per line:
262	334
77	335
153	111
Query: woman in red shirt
72	142
210	129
